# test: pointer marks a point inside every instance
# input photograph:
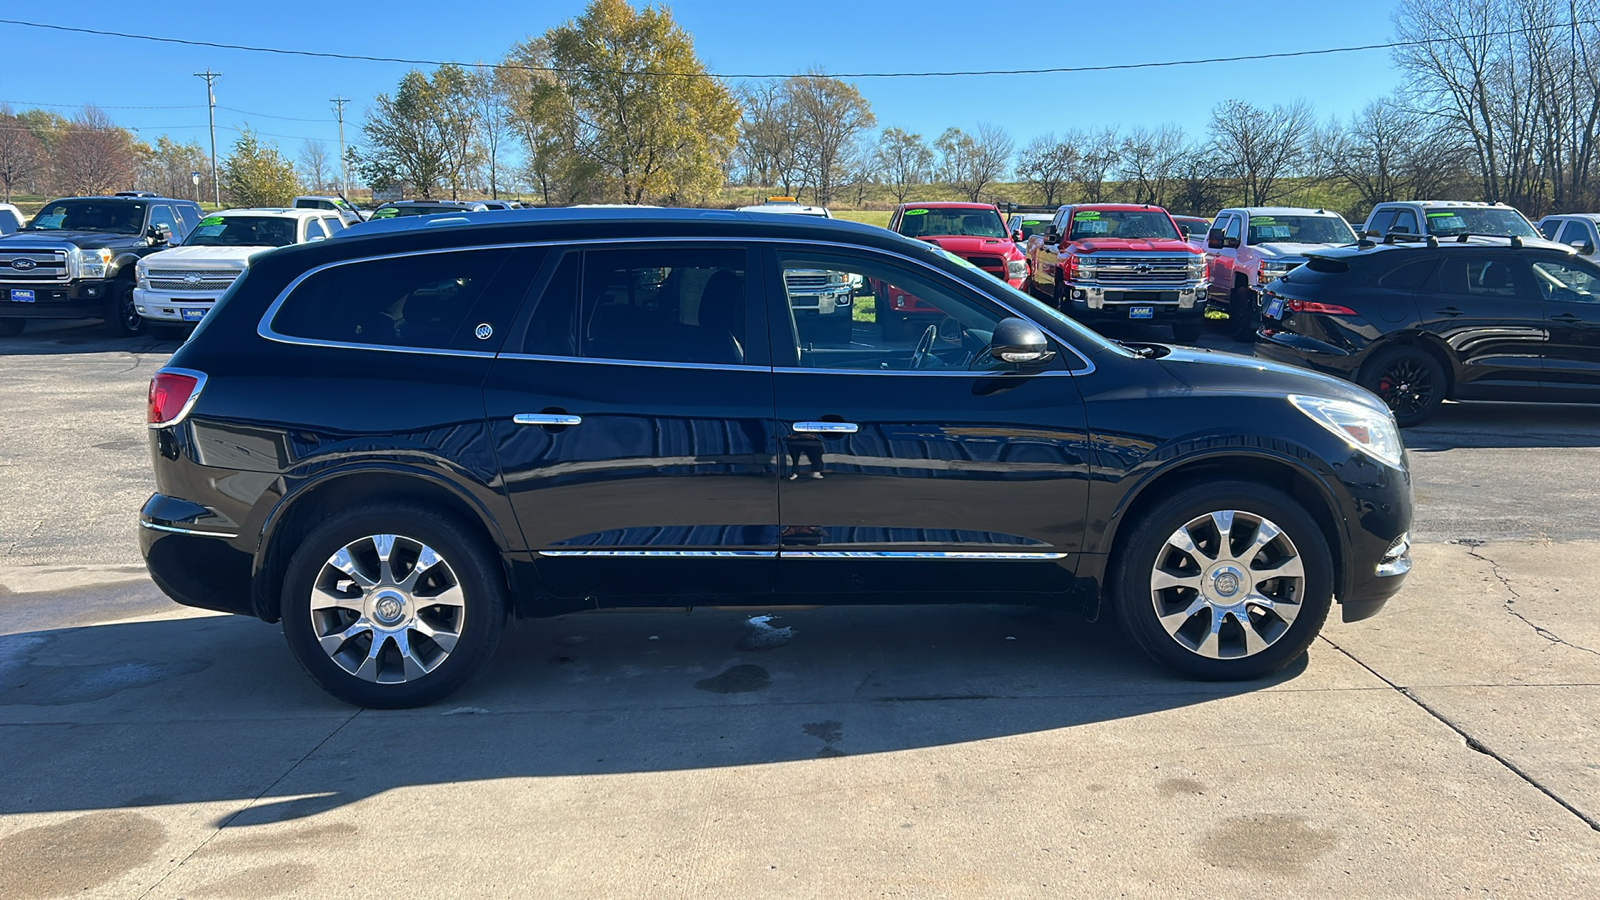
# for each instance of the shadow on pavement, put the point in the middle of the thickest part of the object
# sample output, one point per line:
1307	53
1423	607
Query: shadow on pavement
1506	425
215	709
57	337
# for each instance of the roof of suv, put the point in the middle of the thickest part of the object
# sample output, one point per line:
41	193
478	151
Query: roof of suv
1473	242
481	222
278	211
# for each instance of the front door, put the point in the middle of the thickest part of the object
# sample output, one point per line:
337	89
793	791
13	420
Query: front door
1484	307
1569	291
631	412
920	465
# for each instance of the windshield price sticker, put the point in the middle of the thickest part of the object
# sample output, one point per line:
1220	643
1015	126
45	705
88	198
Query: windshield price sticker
211	220
916	212
1442	215
1263	220
210	229
1084	216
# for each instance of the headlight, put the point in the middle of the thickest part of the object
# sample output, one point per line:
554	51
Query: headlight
1197	268
838	277
93	263
1016	268
142	277
1362	427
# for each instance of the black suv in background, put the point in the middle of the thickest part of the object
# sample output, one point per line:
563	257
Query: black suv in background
75	259
1418	321
394	440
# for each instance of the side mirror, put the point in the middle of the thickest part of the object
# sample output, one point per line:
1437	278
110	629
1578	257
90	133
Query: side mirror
1016	236
1230	243
1051	237
1020	341
160	233
1584	247
1214	239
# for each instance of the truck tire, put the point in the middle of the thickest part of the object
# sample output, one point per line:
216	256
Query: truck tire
1242	314
123	318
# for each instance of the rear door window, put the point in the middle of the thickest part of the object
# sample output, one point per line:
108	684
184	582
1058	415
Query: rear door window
1408	277
427	301
1482	276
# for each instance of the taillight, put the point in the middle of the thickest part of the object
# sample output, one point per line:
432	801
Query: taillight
1327	309
172	392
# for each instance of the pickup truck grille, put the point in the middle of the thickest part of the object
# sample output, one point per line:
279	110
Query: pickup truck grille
807	282
199	280
37	265
1141	270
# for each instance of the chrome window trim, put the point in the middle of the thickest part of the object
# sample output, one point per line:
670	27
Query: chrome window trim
908	554
174	529
695	554
264	327
199	387
797	370
658	364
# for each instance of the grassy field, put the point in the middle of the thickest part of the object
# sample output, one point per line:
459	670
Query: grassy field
868	216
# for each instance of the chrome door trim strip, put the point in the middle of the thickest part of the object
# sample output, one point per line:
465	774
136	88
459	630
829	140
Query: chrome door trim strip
546	419
690	554
264	327
192	531
606	361
825	427
904	554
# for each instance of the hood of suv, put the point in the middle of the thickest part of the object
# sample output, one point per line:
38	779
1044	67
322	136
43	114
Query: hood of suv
1218	371
965	245
204	257
1152	245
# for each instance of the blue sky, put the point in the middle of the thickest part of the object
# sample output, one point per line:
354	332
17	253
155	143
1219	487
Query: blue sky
277	92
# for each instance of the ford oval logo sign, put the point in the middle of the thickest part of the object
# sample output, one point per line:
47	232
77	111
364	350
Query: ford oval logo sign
23	265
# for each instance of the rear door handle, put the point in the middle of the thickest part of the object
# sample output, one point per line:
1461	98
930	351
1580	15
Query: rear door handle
1569	318
1450	311
825	427
546	419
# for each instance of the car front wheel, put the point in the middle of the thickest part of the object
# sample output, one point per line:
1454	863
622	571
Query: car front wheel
1224	581
125	318
392	606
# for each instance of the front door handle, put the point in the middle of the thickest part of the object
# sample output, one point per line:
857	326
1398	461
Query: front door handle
1568	318
1450	311
825	427
546	419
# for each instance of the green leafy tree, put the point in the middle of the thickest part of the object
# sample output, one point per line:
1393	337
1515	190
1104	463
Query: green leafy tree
256	174
629	100
421	138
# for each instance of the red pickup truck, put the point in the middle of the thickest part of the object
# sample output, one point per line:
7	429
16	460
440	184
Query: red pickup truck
973	231
1104	263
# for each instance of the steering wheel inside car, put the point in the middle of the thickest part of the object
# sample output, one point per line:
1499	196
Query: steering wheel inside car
924	346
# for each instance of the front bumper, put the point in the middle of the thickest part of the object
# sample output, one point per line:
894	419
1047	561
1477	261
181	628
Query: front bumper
57	299
164	306
1092	302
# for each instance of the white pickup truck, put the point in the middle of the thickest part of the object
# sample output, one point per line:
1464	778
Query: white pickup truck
181	285
1250	246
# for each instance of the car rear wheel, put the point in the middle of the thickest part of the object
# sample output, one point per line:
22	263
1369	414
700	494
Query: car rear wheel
392	606
1408	380
1242	314
1224	581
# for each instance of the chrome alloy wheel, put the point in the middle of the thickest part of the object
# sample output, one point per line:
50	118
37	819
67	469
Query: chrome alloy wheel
1227	585
387	608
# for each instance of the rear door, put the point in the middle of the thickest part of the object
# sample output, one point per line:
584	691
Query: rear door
632	417
1485	308
922	466
1569	291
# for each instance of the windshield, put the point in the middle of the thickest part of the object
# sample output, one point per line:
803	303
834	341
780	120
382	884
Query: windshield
1087	340
1031	226
242	231
1126	224
109	216
1299	230
1481	220
952	223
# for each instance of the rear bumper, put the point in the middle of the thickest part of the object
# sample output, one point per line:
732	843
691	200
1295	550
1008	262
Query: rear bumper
57	299
195	565
1307	353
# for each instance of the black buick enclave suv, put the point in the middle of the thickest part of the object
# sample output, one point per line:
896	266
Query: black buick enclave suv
1420	321
393	441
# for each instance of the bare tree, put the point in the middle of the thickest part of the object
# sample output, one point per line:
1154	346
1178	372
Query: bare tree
1047	163
829	114
93	155
970	164
21	154
487	91
904	161
1260	149
314	165
1098	154
768	145
1149	161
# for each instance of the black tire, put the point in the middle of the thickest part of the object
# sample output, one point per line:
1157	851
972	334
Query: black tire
12	327
468	559
123	317
1146	545
1242	315
1409	380
1187	332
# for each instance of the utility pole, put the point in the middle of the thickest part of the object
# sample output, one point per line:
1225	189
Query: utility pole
211	114
344	168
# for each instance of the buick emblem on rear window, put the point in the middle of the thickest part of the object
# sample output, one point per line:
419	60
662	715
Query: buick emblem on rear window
23	265
484	331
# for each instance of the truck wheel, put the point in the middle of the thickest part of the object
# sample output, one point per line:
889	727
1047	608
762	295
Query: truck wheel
392	606
1186	332
124	317
1224	581
11	327
1242	314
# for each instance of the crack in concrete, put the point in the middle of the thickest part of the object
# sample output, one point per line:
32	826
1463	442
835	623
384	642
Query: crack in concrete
1471	742
1505	582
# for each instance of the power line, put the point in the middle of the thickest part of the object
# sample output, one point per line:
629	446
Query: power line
1111	67
263	115
30	105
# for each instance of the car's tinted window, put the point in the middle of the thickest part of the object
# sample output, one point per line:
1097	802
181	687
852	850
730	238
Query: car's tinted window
314	229
161	214
410	301
1574	233
1570	282
1547	227
1405	222
333	224
866	314
1479	276
1381	222
1408	276
1232	229
650	304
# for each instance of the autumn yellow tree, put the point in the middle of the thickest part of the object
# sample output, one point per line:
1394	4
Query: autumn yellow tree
631	101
